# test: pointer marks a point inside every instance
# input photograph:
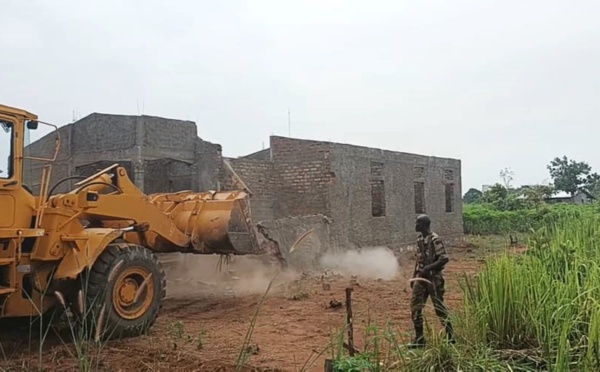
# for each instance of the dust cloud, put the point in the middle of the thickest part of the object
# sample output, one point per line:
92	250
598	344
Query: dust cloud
369	263
199	275
193	275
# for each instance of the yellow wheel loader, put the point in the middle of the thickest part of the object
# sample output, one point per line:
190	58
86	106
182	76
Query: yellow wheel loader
93	250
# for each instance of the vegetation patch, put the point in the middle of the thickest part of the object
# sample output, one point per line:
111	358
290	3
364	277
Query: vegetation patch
543	306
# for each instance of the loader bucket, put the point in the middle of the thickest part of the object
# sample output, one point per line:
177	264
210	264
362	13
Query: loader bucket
221	227
217	223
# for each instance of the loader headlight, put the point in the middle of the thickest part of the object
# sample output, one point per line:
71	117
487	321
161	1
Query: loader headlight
91	197
88	199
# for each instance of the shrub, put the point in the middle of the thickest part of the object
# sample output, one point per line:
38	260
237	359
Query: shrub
485	219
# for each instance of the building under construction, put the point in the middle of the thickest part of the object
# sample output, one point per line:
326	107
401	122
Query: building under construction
366	196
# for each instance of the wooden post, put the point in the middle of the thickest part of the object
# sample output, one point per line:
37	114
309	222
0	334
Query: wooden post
350	321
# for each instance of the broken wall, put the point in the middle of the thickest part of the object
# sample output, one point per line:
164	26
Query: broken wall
307	254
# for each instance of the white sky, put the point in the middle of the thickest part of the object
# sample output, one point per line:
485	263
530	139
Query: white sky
494	83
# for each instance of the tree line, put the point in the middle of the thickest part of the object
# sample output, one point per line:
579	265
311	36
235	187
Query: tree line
567	175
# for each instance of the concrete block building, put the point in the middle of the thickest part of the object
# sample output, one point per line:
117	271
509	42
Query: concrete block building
159	154
370	196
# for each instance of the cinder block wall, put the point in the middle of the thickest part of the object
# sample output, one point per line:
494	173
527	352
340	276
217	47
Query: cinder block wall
369	193
365	176
262	180
304	173
163	154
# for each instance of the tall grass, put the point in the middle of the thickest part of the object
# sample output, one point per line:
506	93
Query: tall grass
385	350
536	311
544	304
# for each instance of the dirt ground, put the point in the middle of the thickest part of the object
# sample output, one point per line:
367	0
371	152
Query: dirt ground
207	315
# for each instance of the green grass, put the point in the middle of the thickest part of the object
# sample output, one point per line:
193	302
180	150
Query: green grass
539	310
385	350
545	303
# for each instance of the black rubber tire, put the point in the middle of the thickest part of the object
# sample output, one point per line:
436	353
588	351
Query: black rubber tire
102	278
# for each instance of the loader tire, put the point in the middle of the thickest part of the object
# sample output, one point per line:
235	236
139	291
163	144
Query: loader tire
112	291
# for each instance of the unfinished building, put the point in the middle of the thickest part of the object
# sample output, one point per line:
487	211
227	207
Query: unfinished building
351	196
160	155
371	195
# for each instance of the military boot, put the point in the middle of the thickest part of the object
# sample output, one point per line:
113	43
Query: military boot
419	341
450	333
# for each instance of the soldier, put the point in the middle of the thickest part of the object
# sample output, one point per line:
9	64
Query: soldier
431	260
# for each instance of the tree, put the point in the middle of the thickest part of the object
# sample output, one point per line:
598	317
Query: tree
472	196
570	176
507	176
537	194
593	184
500	197
495	194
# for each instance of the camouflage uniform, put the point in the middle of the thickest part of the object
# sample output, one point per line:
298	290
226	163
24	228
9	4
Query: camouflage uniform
430	249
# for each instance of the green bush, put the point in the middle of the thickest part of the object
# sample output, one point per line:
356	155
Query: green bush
485	219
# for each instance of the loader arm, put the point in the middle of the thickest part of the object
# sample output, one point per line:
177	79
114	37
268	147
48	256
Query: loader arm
185	222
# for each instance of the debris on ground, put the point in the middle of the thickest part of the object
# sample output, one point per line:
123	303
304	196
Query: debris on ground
253	349
335	304
298	296
331	275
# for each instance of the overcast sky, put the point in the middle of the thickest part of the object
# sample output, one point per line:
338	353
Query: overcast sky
494	83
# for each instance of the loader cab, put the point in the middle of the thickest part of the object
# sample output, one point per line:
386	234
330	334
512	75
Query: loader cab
14	127
7	137
17	202
20	213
